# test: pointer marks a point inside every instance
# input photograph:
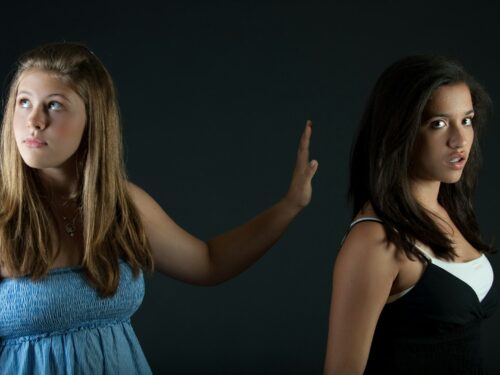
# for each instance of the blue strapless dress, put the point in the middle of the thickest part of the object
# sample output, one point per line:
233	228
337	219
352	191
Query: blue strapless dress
59	325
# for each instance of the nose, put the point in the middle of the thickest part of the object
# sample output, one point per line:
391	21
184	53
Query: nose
458	136
37	119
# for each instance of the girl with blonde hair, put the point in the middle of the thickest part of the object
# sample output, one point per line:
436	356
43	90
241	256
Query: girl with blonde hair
75	234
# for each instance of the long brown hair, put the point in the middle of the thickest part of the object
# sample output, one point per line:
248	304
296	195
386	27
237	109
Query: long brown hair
111	225
382	154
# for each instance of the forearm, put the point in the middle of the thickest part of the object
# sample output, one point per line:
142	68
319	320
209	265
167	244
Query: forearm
232	252
181	255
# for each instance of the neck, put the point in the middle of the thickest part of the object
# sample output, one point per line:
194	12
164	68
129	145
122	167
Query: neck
426	194
60	181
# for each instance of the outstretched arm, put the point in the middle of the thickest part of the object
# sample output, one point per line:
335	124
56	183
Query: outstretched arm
182	256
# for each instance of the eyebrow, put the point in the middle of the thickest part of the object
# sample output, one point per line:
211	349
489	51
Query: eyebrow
48	96
431	115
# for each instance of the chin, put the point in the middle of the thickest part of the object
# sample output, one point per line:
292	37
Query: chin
38	164
452	179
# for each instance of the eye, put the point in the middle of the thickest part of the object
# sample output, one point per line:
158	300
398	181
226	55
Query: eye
438	124
24	103
467	121
55	106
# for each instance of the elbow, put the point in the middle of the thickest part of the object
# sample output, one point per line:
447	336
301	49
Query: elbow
218	279
210	279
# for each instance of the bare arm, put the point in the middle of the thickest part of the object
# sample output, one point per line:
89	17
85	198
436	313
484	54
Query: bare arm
183	256
364	272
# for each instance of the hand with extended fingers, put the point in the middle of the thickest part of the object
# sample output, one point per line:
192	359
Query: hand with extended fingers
300	190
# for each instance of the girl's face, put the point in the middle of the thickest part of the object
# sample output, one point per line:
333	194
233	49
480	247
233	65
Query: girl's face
49	120
446	135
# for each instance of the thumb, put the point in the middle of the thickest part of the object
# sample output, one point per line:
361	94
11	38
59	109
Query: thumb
312	167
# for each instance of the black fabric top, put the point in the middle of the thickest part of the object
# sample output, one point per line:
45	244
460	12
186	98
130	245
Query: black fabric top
432	329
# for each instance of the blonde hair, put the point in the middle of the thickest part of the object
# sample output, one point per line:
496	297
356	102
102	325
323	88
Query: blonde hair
111	225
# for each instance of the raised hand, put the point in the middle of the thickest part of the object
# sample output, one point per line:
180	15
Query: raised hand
300	190
183	256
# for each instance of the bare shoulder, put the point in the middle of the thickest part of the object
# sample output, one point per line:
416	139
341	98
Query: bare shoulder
139	196
135	191
369	235
146	205
366	245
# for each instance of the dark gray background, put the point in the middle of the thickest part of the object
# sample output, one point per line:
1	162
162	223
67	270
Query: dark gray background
214	96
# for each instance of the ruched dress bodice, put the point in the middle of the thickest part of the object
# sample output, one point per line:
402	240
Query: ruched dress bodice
60	325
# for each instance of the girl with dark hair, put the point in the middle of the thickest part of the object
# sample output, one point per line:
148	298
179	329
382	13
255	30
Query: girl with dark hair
412	282
75	234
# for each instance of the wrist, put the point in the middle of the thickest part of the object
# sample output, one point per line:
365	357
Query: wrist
290	206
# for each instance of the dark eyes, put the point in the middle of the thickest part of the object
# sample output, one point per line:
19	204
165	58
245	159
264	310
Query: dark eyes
467	121
439	124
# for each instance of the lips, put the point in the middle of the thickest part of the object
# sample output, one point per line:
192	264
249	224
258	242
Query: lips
457	160
33	142
457	157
